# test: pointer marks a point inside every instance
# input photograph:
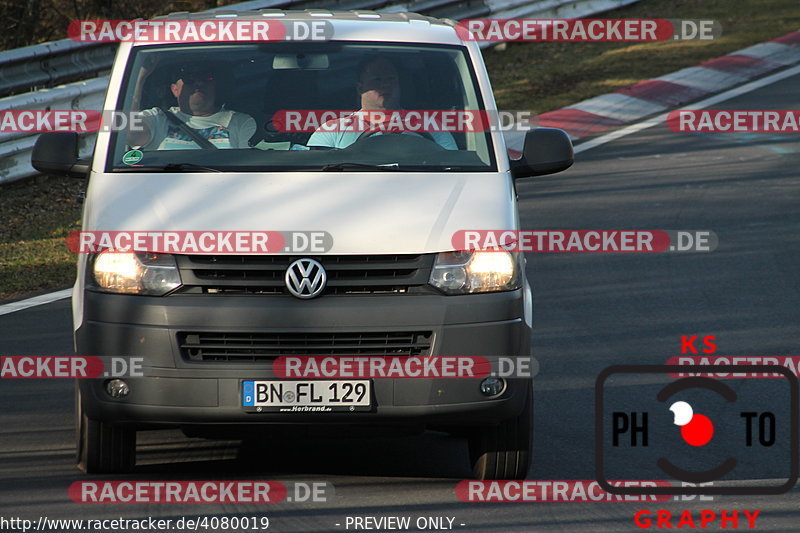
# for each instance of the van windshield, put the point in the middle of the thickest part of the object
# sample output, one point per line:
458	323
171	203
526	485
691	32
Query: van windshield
286	106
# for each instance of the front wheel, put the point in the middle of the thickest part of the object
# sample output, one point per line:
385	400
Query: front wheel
101	447
504	451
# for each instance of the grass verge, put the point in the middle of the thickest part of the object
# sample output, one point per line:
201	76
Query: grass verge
541	77
35	217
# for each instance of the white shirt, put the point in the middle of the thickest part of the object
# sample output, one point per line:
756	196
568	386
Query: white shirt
225	129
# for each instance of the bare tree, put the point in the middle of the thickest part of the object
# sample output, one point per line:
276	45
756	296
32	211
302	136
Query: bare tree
35	21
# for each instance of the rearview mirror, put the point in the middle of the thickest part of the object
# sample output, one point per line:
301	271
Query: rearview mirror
300	62
546	151
56	153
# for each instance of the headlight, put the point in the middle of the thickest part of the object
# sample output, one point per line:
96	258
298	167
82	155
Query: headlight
136	273
470	272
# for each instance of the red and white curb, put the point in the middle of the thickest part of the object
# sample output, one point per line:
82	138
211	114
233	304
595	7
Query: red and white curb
629	104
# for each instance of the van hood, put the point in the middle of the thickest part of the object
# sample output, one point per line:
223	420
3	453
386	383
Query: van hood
365	213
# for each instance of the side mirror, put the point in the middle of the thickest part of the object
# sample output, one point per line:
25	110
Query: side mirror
546	151
56	153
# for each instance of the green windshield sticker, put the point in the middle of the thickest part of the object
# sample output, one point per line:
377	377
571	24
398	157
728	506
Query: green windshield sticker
132	157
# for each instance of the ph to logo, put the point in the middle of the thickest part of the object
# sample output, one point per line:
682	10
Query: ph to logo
696	429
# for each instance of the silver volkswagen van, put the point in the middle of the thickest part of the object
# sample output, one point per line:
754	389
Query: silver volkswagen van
221	151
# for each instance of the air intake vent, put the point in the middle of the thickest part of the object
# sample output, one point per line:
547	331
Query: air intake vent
207	346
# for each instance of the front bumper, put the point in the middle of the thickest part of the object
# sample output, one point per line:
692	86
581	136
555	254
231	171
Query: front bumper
180	391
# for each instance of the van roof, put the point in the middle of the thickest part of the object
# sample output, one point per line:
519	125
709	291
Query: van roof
356	25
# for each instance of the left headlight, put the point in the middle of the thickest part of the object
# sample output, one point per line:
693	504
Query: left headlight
478	271
136	273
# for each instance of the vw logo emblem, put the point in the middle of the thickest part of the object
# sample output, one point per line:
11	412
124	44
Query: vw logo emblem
305	278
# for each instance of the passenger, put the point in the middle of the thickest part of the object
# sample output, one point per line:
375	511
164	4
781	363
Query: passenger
195	87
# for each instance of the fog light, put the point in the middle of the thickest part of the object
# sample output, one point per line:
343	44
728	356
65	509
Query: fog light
116	388
493	386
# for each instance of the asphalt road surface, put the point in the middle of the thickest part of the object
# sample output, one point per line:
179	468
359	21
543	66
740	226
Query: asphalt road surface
591	311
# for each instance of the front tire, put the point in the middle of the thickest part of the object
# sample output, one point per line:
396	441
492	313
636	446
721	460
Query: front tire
101	447
504	451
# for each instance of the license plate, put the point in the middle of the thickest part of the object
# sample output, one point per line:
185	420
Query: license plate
306	396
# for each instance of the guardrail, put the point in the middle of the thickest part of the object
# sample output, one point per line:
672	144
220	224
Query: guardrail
59	62
48	64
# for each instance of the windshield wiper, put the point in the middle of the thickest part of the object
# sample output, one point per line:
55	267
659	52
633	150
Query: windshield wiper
345	165
189	166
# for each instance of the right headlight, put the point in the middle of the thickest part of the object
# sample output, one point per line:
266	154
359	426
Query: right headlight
136	273
478	271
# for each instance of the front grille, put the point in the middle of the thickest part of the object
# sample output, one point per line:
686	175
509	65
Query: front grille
264	274
227	346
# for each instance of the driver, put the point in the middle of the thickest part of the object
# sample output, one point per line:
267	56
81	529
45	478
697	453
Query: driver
379	88
195	87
